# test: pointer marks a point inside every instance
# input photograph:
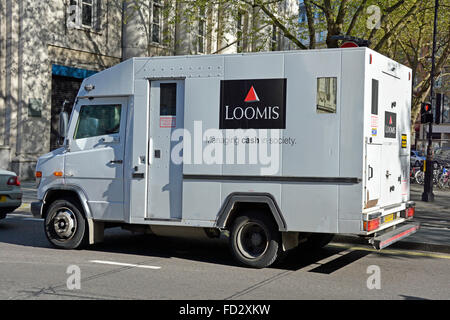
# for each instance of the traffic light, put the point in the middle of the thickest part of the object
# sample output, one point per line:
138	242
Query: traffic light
426	116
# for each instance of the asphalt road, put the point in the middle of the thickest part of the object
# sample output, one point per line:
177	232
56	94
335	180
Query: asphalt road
128	266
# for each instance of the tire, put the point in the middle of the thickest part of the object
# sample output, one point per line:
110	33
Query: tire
420	177
255	240
65	225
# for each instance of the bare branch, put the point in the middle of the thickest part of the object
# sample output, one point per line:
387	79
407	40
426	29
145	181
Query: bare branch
356	16
281	26
311	27
400	23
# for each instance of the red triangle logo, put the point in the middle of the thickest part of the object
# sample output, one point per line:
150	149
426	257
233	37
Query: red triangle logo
252	96
390	120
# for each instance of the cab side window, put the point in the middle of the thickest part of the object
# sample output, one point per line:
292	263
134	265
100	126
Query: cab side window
98	120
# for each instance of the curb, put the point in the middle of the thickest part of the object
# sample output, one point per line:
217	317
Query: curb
406	245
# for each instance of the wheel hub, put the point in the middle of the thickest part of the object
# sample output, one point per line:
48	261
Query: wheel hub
64	224
252	240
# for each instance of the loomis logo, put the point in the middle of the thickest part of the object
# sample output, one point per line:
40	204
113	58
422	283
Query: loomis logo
390	125
253	104
252	96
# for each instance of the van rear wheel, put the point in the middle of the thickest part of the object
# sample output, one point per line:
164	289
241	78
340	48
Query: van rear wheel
255	240
65	225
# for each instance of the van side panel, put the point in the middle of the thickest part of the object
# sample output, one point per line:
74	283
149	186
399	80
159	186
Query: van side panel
311	207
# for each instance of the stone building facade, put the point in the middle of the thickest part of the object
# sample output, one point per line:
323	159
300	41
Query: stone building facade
48	47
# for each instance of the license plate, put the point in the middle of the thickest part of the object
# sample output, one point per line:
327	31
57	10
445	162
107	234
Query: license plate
2	198
389	218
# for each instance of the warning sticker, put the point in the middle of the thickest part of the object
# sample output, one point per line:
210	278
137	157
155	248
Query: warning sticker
167	122
404	141
374	122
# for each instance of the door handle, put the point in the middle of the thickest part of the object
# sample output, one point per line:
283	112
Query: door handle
370	173
116	161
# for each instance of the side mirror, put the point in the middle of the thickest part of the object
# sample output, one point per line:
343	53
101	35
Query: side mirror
63	125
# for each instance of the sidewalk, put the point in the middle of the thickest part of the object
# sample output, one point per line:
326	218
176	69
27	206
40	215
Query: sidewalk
434	218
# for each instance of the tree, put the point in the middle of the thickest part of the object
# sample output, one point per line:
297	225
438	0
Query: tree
399	29
402	30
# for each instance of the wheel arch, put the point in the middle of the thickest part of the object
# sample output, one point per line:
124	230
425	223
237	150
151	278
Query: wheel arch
240	201
61	191
95	229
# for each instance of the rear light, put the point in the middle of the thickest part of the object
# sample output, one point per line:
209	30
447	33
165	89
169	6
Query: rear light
409	213
370	59
372	224
13	181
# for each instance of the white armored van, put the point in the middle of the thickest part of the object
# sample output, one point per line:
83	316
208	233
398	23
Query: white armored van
276	148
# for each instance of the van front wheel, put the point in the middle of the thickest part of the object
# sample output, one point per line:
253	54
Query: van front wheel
65	225
254	240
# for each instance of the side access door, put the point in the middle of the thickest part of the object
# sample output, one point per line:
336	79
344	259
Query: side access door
165	176
373	175
94	161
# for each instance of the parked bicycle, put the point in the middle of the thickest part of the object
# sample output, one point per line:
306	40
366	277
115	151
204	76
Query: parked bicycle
444	179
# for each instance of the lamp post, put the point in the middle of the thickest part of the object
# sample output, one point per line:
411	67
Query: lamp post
428	194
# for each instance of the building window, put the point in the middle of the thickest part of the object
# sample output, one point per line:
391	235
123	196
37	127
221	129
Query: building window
84	14
326	95
445	109
201	30
302	18
156	21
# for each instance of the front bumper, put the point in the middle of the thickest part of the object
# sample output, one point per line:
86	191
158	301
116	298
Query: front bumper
36	209
10	201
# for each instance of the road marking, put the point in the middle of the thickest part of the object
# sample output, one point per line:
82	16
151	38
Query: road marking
389	251
125	264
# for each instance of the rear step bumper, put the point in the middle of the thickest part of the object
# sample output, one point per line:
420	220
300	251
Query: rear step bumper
400	232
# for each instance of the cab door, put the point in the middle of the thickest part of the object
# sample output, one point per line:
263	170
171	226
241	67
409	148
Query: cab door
94	161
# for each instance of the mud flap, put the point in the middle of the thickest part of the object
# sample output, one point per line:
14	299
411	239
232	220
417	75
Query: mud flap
386	239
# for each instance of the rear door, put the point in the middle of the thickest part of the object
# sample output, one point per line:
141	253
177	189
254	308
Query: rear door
391	112
388	125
